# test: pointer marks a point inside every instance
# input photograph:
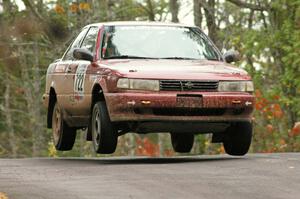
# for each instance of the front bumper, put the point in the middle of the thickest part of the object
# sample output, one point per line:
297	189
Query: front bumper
180	106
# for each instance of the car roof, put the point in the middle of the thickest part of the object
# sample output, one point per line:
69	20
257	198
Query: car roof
139	23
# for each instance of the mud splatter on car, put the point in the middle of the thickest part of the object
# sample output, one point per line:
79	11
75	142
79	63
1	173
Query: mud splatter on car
143	77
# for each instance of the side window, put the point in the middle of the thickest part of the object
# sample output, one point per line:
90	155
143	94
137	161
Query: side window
76	44
90	39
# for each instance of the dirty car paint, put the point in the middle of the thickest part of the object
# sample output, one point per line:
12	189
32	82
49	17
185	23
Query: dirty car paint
137	105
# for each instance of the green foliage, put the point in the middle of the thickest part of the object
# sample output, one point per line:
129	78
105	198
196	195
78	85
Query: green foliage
271	50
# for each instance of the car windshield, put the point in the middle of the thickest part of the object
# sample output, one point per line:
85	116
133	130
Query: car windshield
157	42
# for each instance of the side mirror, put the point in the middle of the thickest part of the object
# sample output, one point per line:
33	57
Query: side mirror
232	56
83	54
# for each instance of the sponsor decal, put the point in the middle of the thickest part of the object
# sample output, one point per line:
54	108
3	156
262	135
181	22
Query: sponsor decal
79	81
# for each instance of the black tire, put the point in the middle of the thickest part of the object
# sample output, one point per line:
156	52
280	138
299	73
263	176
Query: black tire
182	142
63	135
104	134
237	138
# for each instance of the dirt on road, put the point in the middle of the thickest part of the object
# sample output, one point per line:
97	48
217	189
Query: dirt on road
260	176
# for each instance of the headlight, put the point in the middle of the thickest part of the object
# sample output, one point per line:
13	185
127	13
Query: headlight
138	84
236	86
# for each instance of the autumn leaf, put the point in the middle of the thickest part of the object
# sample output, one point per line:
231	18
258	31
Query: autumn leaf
59	9
3	195
282	142
74	8
84	6
270	128
258	93
258	106
221	149
276	97
147	148
296	129
276	107
168	152
278	114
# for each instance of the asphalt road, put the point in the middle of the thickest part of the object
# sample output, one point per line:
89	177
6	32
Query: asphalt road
265	176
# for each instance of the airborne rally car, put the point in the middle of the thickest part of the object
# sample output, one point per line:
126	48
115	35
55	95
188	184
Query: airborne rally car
144	77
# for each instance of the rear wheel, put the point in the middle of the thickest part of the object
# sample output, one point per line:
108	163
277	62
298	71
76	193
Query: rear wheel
237	138
182	142
104	135
63	135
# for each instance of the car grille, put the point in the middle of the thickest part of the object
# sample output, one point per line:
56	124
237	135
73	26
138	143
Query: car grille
186	85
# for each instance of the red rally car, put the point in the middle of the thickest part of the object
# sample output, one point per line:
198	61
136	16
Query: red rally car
143	77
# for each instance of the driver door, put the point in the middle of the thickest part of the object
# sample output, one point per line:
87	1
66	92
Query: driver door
65	81
81	89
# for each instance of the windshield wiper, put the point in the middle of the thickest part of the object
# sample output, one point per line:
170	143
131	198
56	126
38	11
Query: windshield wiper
127	57
183	58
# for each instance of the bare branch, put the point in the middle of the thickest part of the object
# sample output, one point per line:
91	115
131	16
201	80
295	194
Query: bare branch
30	5
243	4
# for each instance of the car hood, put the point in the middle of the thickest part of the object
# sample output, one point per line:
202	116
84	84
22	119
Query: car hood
175	69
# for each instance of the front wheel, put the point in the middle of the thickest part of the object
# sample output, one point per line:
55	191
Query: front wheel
182	142
237	138
63	135
104	135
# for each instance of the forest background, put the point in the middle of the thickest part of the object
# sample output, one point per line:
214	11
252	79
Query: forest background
33	33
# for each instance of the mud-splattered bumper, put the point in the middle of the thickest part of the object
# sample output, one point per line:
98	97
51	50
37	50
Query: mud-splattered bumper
174	106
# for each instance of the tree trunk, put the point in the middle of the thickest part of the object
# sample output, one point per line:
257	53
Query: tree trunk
249	58
109	13
131	144
6	6
151	13
38	131
277	53
210	15
9	122
198	13
32	86
174	7
161	144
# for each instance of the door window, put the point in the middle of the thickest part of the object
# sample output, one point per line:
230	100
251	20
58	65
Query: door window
76	44
90	39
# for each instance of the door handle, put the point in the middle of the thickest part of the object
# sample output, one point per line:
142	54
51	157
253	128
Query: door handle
69	69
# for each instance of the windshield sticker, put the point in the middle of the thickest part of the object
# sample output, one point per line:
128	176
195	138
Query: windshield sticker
79	81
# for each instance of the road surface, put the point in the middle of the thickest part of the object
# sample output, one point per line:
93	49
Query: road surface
253	176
